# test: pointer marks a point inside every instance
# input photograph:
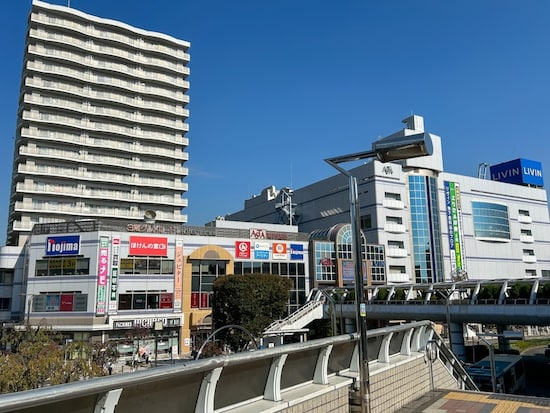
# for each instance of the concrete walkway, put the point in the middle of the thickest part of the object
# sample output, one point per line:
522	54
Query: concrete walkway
452	401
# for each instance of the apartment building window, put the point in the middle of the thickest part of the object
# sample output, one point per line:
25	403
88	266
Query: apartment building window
530	273
526	232
491	220
392	196
529	253
545	273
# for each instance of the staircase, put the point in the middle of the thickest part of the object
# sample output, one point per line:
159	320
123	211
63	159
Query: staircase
312	310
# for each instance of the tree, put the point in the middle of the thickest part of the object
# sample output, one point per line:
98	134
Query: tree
252	301
36	357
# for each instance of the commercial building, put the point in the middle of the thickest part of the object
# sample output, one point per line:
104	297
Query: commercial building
100	280
435	225
101	123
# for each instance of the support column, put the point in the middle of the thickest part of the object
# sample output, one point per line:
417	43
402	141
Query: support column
503	343
456	338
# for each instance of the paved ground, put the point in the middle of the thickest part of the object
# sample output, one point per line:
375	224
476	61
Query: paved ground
451	401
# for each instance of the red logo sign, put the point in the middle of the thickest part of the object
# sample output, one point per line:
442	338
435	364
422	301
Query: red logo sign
242	249
155	246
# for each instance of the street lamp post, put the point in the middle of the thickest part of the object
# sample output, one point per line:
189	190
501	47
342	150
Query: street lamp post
385	150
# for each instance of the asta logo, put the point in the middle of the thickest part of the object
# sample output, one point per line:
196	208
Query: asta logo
387	170
69	245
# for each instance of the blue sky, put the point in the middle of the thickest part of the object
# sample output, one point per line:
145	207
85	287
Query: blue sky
278	86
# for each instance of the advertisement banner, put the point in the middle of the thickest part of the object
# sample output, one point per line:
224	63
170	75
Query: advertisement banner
194	300
148	246
178	276
115	265
454	225
166	300
67	301
242	249
102	273
279	251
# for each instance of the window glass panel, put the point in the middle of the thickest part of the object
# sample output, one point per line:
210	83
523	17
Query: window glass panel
154	266
138	302
125	301
167	267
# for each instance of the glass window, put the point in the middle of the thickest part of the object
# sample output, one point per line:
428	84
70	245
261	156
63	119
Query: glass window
138	302
125	301
154	266
153	300
491	220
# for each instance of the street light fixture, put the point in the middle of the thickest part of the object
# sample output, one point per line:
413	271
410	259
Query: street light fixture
385	150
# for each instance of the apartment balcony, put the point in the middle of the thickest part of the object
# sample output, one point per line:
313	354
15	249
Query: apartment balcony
398	278
93	176
395	228
177	95
175	109
120	43
396	252
109	128
527	239
393	204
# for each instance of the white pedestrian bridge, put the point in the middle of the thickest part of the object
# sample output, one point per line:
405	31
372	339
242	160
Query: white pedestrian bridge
316	375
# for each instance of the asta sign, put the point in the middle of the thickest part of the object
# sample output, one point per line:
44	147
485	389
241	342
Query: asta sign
64	245
519	171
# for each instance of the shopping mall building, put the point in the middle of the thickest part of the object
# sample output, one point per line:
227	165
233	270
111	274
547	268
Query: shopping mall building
96	280
435	225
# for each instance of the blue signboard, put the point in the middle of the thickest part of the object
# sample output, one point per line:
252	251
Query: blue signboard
63	245
519	171
296	252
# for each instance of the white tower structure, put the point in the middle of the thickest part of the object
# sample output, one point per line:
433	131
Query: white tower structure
101	123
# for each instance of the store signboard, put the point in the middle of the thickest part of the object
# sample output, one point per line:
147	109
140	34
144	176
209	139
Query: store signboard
115	270
296	252
242	249
261	250
148	246
102	274
63	245
178	276
279	251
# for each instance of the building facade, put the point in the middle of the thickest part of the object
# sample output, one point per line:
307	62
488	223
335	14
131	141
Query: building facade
102	281
101	123
434	225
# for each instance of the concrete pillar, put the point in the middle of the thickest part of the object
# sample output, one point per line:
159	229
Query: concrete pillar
456	338
503	343
350	326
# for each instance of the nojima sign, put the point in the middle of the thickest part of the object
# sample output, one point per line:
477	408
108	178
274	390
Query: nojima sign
519	171
63	245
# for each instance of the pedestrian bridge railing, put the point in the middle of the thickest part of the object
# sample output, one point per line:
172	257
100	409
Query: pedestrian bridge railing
272	379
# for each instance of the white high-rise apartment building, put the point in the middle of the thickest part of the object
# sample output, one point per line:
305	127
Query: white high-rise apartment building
101	123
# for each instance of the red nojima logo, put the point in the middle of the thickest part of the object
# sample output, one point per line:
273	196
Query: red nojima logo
242	249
